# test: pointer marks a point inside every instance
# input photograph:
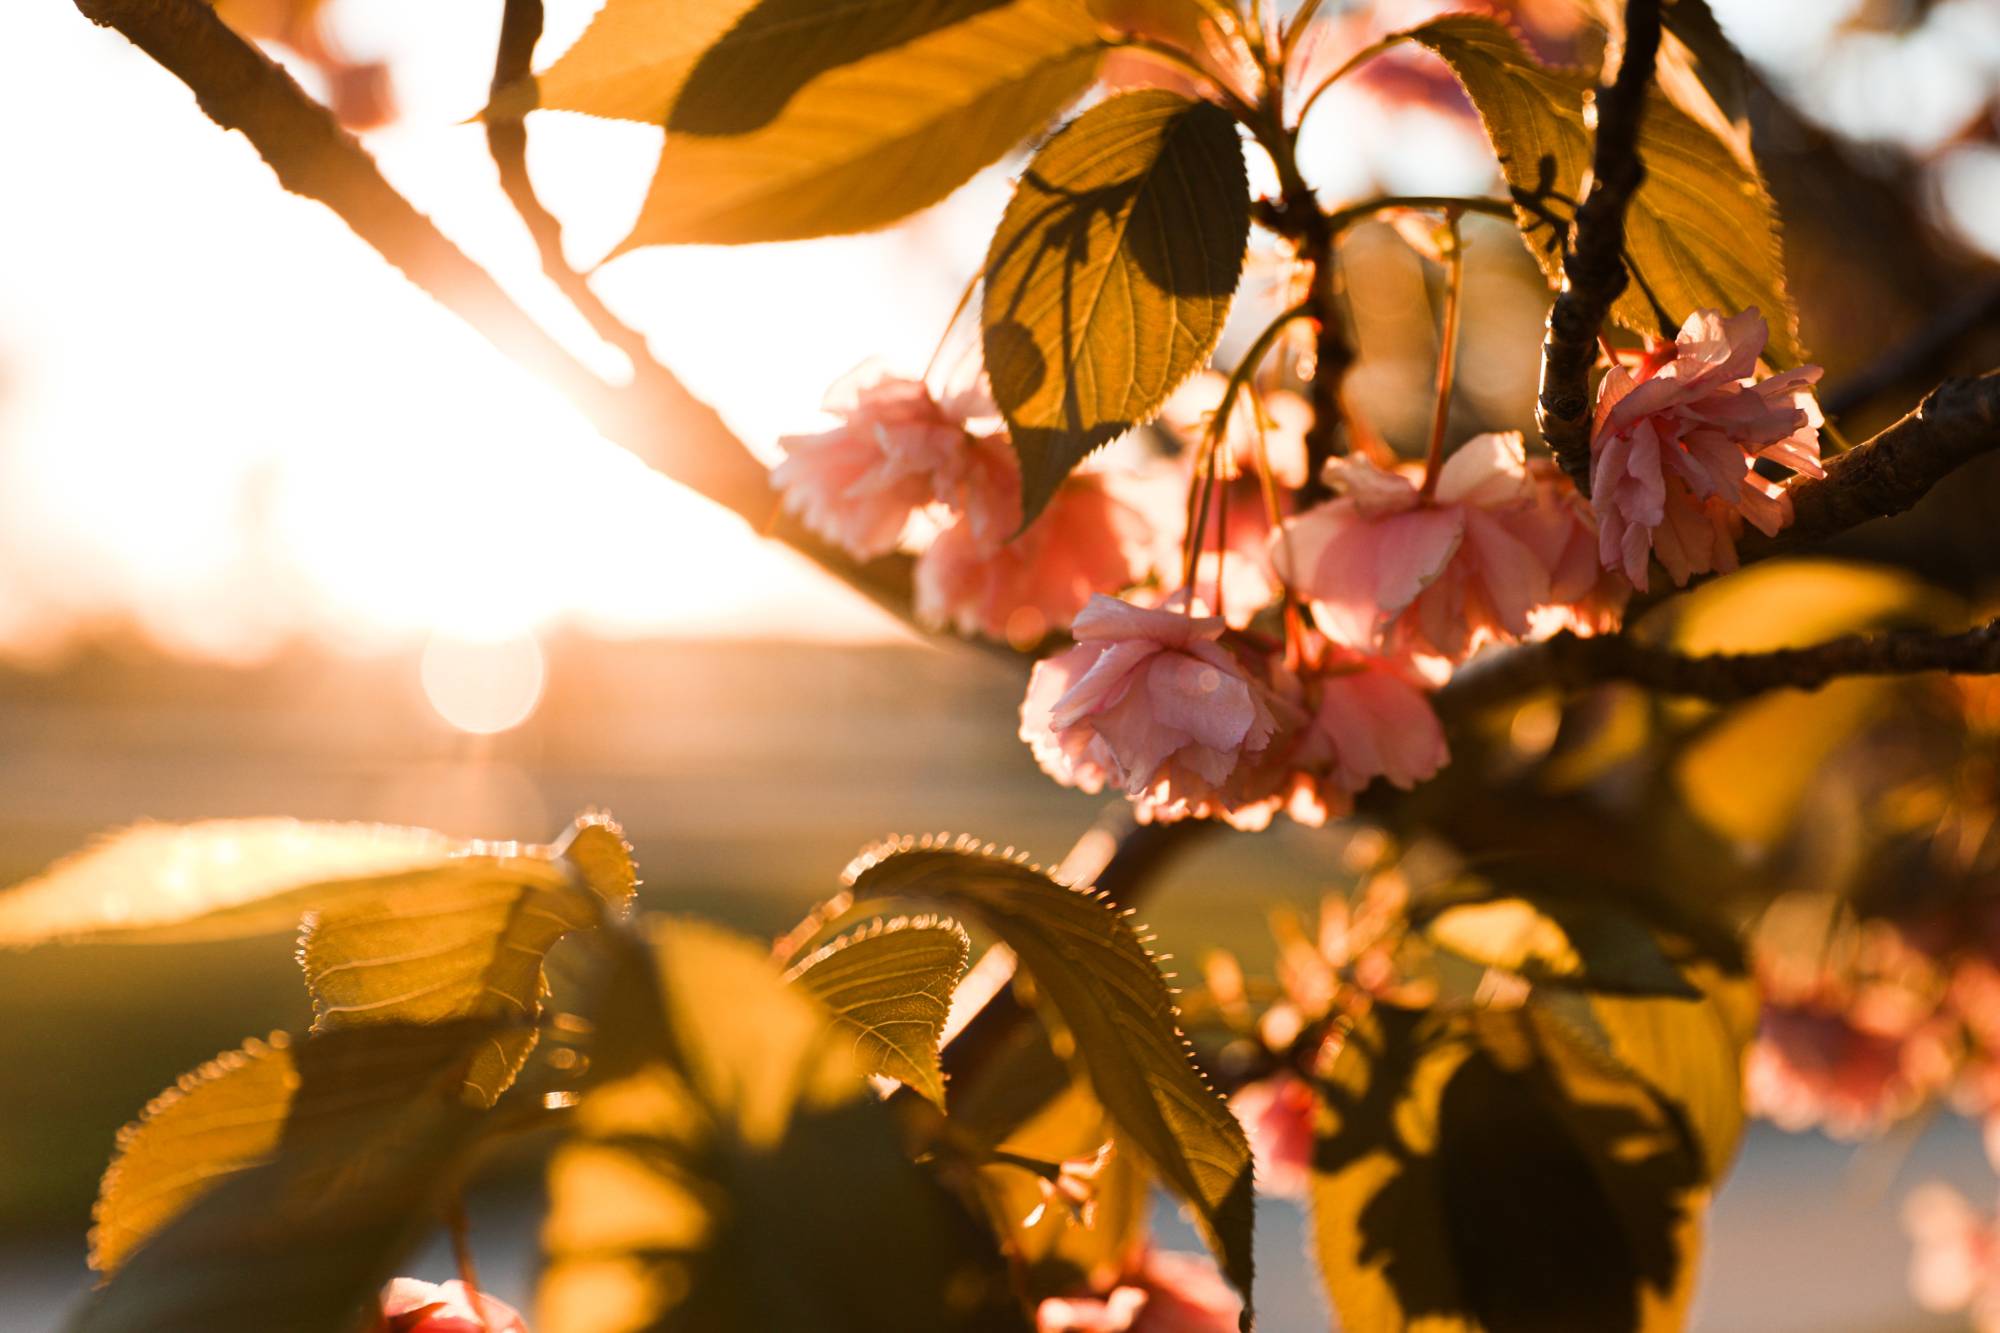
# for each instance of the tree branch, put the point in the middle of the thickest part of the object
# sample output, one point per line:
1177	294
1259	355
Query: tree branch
507	141
1954	424
1567	662
240	88
1594	262
1295	214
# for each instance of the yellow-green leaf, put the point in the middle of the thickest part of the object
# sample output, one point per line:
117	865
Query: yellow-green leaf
734	1172
630	63
223	878
1701	231
889	985
1595	946
866	142
1689	1054
1110	276
277	1186
1098	978
1058	1252
424	953
1480	1172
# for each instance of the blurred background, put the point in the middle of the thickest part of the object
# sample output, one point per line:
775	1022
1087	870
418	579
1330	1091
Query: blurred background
279	535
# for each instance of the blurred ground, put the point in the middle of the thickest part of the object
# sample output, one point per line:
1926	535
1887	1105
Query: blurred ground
705	752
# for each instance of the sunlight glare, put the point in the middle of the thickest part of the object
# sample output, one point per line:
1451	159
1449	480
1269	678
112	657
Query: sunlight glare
483	686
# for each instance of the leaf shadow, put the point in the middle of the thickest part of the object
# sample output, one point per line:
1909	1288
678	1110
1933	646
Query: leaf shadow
1060	225
1527	1210
745	81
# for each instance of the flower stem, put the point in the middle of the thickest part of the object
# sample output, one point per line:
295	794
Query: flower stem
461	1253
1218	426
1454	285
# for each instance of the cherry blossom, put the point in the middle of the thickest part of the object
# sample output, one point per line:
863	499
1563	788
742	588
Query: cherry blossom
1148	701
1164	1292
1385	567
896	450
1954	1256
1560	527
1102	532
1674	444
412	1306
1277	1115
1341	723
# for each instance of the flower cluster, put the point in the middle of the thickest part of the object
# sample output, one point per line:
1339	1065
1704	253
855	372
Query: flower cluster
1901	1016
1408	570
1676	441
907	469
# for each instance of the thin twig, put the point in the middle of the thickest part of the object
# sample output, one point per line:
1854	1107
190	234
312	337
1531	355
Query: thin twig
1454	288
1594	261
1567	662
507	141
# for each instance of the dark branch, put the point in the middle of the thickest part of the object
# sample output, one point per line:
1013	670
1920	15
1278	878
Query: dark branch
507	141
1954	424
1594	261
1567	662
1295	214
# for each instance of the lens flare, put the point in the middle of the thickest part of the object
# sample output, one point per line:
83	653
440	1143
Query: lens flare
483	686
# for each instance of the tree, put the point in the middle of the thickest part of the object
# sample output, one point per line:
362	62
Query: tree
1508	1068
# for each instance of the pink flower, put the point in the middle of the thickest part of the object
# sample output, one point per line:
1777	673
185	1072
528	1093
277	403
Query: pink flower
1277	1114
1148	701
1584	597
1384	568
1812	1066
1954	1255
1099	534
1341	723
1163	1293
1672	448
410	1306
1371	719
895	451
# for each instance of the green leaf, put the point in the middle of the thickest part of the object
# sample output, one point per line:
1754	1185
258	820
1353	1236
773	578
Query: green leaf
1689	1055
223	878
1702	230
630	63
1697	68
1590	945
733	1172
839	118
1099	980
1110	276
422	953
889	986
1479	1171
1057	1252
278	1186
